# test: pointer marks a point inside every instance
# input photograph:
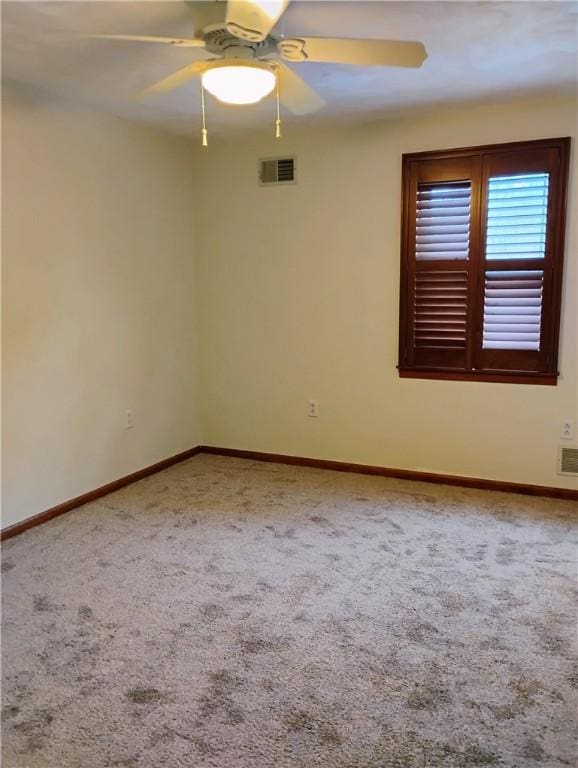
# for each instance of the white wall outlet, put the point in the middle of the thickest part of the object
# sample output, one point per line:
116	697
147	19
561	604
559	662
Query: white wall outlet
129	423
312	408
568	431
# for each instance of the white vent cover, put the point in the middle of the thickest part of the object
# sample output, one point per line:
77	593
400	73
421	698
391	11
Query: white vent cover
568	461
277	170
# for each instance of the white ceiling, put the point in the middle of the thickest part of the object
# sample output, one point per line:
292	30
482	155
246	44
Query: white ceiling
477	51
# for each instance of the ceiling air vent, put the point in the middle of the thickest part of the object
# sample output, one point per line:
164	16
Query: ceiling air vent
277	170
568	461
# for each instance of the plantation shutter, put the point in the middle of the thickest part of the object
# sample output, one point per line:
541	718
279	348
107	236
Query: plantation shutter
438	263
481	268
512	309
517	268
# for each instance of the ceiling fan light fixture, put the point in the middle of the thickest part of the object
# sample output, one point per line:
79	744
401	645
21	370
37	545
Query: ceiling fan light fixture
243	82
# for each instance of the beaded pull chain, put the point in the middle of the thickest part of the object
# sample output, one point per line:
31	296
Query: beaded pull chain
278	121
204	142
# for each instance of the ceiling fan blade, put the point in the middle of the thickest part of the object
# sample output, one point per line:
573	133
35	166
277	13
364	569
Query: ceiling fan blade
180	77
368	53
253	19
178	42
295	94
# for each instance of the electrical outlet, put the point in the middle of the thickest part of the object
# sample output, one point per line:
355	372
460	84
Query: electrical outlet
129	423
568	430
312	408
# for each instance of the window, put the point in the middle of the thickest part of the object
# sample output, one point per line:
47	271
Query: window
481	262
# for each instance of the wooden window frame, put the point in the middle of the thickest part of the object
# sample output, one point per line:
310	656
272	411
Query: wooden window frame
439	164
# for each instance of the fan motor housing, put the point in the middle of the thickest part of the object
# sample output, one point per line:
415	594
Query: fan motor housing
221	42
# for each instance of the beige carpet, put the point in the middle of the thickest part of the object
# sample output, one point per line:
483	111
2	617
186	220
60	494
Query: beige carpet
234	614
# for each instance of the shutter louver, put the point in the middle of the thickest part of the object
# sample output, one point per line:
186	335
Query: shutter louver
440	308
442	221
513	309
517	212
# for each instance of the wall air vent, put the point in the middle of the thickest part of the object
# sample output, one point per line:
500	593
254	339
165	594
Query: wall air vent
277	170
568	461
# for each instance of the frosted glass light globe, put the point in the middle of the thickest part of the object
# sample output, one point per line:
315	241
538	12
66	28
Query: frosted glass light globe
243	83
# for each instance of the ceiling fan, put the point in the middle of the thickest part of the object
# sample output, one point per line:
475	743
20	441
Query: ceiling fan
248	55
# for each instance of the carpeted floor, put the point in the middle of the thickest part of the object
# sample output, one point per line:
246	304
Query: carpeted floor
235	614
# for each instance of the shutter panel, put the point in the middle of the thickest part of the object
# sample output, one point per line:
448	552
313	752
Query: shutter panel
517	263
442	221
512	309
439	286
441	304
517	211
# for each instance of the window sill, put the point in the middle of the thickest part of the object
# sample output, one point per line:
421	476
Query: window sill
496	377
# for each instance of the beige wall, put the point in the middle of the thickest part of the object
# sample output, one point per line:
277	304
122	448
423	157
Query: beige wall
298	292
98	309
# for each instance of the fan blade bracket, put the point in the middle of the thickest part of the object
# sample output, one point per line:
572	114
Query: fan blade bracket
363	53
187	43
292	49
243	33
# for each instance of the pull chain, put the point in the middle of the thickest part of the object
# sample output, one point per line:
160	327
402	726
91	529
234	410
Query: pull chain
278	121
204	142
